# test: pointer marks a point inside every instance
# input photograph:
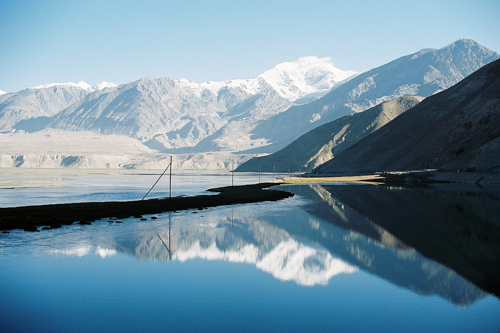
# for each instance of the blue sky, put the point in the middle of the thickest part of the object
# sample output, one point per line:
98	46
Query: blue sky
122	41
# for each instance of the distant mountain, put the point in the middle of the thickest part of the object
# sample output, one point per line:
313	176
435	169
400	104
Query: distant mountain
167	114
81	84
247	116
423	73
42	101
2	92
290	80
456	129
327	141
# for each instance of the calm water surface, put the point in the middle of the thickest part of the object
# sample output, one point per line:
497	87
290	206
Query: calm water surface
323	260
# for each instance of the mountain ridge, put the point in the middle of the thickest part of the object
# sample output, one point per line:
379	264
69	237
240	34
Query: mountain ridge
183	117
170	114
327	141
423	73
446	131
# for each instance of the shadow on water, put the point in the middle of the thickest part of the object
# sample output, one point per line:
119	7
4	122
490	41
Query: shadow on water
455	225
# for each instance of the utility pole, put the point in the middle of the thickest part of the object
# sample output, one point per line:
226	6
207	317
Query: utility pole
170	183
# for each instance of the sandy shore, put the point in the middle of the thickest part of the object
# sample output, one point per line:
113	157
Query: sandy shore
334	179
31	218
401	177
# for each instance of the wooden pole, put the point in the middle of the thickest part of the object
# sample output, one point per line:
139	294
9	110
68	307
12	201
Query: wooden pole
170	182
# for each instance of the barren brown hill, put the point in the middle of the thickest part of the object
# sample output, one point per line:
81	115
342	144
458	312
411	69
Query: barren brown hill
327	141
456	129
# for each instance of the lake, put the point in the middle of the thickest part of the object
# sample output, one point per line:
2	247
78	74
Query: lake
346	258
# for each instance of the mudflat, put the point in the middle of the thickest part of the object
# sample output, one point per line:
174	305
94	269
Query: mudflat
31	218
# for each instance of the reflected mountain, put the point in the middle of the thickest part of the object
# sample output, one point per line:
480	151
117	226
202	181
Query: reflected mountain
456	225
332	238
241	240
397	234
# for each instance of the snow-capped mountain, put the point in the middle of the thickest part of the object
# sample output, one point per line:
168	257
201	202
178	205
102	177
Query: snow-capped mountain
259	115
423	73
290	80
169	114
2	92
81	84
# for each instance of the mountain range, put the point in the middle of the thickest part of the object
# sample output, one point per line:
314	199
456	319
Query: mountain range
243	117
457	129
423	73
168	114
327	141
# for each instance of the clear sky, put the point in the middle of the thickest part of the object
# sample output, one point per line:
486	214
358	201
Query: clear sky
122	41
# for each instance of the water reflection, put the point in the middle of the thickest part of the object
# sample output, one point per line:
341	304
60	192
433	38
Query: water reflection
455	225
374	228
240	240
323	232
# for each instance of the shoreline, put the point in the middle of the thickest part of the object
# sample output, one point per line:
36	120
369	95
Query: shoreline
400	177
51	216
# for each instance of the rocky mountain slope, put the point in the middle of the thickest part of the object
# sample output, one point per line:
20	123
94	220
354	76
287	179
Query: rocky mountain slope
423	73
327	141
456	129
168	114
249	116
43	101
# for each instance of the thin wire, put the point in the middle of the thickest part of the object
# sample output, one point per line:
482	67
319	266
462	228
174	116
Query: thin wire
156	181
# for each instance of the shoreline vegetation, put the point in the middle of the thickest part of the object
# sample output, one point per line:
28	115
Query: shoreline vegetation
51	216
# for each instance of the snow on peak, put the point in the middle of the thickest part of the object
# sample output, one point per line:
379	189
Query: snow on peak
104	85
291	80
306	75
2	92
81	84
289	260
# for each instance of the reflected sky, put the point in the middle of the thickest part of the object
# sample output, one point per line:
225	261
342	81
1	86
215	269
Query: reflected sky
310	262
